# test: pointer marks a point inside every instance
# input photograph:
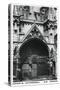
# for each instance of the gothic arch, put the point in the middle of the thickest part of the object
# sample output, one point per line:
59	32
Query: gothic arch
33	46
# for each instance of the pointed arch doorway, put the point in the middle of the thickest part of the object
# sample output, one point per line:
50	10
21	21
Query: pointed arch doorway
34	63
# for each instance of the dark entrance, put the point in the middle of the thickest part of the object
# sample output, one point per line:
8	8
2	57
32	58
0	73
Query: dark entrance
34	63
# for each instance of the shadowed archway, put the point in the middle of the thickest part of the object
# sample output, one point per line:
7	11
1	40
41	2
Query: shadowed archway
33	46
33	54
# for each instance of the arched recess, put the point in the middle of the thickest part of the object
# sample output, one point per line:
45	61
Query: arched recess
33	46
33	57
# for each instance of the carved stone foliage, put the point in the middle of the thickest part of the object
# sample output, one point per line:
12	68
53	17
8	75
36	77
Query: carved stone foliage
50	25
16	21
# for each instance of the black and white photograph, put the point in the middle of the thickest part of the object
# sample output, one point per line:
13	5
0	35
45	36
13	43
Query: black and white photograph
32	44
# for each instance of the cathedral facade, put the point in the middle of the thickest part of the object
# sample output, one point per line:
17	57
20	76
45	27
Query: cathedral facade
34	43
